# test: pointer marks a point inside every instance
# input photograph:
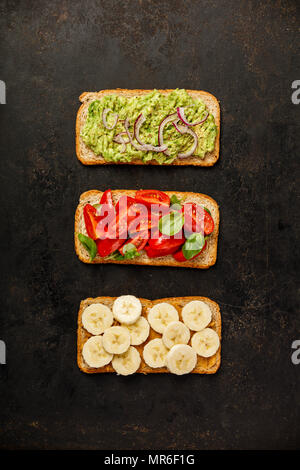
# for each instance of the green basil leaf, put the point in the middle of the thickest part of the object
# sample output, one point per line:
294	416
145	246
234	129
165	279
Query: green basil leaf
88	244
129	251
171	223
176	207
174	200
193	245
98	208
207	210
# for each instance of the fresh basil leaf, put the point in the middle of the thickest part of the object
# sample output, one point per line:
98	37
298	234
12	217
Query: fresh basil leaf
193	245
98	208
174	200
88	244
171	223
207	210
129	251
115	255
176	207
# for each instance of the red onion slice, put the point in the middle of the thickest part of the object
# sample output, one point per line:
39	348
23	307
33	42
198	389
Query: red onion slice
141	145
104	114
181	115
186	130
119	139
164	122
179	128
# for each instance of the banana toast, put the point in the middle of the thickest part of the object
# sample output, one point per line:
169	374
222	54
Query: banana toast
204	365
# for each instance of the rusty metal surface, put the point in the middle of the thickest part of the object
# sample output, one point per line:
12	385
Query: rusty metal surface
247	54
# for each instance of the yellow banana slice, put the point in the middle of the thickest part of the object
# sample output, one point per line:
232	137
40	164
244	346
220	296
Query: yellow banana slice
196	315
181	359
139	331
128	362
155	353
127	309
161	315
206	342
175	333
96	318
116	340
94	354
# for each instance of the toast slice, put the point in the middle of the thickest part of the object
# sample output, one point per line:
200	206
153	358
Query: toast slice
87	156
203	261
208	365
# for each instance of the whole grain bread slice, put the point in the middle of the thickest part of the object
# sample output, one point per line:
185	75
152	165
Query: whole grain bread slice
208	365
203	261
88	157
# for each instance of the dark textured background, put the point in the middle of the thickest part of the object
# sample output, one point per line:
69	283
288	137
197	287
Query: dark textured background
246	54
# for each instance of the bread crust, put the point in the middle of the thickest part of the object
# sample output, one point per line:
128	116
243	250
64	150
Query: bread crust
209	160
208	365
203	261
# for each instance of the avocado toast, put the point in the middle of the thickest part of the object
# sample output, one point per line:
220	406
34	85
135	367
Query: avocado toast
148	127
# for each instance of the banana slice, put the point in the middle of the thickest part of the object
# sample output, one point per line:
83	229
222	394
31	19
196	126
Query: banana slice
127	309
206	342
116	340
161	315
196	315
94	354
181	359
96	318
127	363
176	333
155	353
139	331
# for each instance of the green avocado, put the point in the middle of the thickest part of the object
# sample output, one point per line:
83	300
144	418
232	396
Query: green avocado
155	107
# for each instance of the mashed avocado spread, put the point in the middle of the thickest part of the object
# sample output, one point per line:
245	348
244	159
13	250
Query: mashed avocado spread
155	107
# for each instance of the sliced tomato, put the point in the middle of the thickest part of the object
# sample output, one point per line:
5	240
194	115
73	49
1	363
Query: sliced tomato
163	245
139	241
179	256
106	198
91	220
106	208
152	196
155	253
138	218
118	227
108	246
198	220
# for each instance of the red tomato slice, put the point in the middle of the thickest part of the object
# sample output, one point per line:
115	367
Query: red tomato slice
106	198
155	253
91	220
152	196
139	241
138	218
179	256
118	227
108	246
198	220
163	245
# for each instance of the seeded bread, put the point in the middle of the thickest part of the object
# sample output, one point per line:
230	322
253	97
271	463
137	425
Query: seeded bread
203	261
87	156
208	365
